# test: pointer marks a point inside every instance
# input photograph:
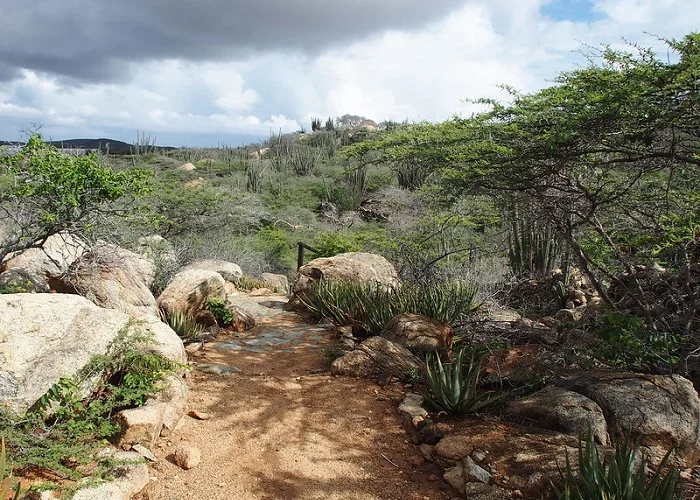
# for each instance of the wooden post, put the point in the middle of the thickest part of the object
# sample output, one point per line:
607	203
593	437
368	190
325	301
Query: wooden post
300	255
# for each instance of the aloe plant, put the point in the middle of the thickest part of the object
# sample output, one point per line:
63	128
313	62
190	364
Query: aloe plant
184	325
370	306
454	387
618	476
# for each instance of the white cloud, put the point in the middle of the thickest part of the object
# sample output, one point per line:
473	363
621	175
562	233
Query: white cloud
424	74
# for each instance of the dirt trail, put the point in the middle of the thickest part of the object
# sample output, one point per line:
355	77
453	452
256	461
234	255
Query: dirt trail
283	428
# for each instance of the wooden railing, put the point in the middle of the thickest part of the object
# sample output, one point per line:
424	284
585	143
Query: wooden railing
300	255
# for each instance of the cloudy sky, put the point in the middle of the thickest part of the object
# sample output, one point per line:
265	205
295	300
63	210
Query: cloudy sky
201	72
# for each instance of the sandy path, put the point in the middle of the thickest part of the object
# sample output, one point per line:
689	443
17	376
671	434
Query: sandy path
283	428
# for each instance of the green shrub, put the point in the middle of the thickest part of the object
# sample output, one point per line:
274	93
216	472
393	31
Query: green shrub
247	283
330	244
15	286
217	307
184	325
368	307
618	476
63	430
630	344
454	387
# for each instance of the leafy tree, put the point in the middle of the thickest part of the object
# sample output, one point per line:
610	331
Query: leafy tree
608	157
44	192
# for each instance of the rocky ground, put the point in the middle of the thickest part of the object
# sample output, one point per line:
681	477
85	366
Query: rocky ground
277	425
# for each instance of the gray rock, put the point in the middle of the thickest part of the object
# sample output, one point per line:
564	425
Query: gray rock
228	270
158	416
662	410
144	452
22	281
418	333
356	267
44	337
165	341
473	472
129	479
156	249
189	291
115	278
52	262
376	356
276	282
558	409
411	407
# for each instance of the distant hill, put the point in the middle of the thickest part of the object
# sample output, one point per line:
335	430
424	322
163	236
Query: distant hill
112	146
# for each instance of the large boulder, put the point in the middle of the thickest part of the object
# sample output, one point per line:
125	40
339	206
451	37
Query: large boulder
158	417
376	357
228	270
162	339
129	474
557	409
115	278
155	248
355	267
663	411
21	281
418	333
189	291
276	282
46	337
53	261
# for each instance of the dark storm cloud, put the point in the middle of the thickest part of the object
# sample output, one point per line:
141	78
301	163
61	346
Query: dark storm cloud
91	40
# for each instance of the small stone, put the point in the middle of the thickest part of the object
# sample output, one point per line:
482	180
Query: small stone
427	451
199	415
472	472
455	477
144	452
187	457
479	455
428	432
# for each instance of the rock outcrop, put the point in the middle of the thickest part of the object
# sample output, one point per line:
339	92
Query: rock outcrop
228	270
189	291
276	282
52	262
21	281
374	357
418	333
557	409
355	267
46	337
663	411
115	278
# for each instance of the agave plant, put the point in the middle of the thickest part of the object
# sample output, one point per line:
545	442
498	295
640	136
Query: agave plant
454	387
7	483
622	475
184	325
370	306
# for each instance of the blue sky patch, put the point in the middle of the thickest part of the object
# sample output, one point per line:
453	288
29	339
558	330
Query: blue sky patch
571	10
